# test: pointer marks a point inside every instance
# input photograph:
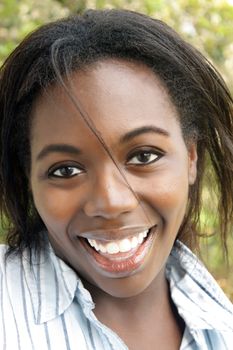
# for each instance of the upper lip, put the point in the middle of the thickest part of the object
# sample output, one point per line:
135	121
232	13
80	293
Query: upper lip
113	234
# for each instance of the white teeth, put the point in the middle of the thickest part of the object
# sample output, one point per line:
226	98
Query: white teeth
140	238
112	248
102	248
96	246
134	242
91	242
123	246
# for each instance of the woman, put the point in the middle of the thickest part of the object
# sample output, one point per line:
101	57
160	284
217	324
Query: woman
108	120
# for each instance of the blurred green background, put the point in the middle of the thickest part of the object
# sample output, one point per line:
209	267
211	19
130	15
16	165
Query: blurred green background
207	24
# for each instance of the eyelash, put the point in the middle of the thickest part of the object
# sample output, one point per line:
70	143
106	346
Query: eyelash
51	172
68	167
157	153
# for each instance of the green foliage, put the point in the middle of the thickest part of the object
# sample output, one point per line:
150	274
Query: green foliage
18	18
206	24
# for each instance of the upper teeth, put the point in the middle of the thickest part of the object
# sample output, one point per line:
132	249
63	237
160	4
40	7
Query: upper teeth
123	245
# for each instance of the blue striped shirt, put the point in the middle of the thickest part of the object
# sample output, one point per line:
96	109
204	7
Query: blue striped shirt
46	307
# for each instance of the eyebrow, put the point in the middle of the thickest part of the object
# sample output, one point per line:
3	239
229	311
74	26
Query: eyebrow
58	148
64	148
143	130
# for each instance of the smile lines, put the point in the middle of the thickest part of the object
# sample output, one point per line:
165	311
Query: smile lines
120	246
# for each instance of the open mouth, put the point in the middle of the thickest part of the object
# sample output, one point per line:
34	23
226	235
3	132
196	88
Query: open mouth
120	255
121	246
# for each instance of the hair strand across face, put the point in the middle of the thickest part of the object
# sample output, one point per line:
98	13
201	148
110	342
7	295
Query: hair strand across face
51	53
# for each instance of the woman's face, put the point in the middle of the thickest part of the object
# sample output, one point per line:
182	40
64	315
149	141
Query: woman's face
114	220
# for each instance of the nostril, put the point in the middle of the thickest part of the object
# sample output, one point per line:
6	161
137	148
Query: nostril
110	206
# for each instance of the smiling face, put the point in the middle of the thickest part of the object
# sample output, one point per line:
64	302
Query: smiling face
117	237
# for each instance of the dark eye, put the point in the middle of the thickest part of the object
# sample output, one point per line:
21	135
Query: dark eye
143	158
65	172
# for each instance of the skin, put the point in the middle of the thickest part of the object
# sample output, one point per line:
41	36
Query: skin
119	97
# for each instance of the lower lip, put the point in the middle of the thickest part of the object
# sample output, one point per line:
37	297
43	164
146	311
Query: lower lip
122	263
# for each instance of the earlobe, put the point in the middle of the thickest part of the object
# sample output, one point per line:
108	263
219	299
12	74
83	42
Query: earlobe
192	151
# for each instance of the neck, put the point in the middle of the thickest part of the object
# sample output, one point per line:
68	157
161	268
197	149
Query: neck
152	301
151	312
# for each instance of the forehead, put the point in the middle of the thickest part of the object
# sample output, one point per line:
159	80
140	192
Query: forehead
115	95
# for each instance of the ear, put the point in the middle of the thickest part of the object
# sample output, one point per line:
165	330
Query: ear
192	159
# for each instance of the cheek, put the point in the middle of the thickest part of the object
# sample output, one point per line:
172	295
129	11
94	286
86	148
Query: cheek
167	199
168	194
55	206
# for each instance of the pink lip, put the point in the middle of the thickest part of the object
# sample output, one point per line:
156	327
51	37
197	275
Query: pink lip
112	233
121	264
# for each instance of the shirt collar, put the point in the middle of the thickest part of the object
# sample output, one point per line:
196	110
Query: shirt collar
52	285
195	293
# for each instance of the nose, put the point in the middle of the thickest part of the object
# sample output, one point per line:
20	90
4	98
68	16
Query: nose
110	196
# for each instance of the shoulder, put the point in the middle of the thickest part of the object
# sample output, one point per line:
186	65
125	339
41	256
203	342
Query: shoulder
3	250
34	294
6	262
207	339
213	339
194	291
10	270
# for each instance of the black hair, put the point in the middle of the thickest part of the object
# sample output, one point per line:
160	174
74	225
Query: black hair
55	50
